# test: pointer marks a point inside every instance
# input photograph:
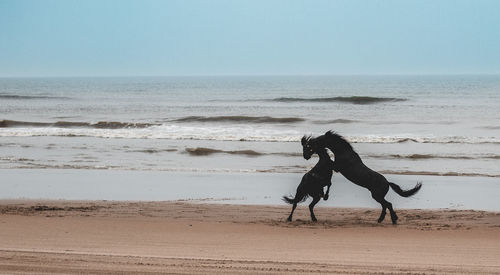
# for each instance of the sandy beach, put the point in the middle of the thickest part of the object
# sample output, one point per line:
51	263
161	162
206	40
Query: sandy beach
110	237
168	137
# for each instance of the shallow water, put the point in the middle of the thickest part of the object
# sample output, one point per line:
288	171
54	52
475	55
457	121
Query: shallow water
240	188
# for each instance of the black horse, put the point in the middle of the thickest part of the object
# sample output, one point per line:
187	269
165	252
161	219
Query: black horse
313	181
349	164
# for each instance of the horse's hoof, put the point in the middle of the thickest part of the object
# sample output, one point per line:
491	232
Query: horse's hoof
325	197
289	220
314	220
380	220
394	222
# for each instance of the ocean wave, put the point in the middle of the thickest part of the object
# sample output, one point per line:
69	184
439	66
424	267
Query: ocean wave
336	121
344	99
24	163
439	140
151	151
202	151
15	159
32	165
11	96
220	133
423	156
386	122
248	119
445	174
174	132
71	124
431	156
122	168
491	127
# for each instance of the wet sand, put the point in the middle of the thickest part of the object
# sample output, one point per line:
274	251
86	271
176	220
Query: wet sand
191	237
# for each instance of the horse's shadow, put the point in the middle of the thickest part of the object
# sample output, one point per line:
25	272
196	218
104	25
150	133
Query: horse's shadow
322	224
339	219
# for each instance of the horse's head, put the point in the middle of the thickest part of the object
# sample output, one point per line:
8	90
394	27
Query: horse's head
308	147
331	140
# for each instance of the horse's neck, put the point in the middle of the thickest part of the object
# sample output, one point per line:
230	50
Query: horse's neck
335	146
323	155
343	153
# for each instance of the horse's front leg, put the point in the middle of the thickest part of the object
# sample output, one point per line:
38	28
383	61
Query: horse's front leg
326	196
311	207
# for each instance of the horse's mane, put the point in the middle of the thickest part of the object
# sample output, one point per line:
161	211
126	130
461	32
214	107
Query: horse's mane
339	142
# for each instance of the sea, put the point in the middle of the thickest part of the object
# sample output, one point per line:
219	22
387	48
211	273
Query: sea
446	126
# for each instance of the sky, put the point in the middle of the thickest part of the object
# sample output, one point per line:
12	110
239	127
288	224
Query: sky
248	37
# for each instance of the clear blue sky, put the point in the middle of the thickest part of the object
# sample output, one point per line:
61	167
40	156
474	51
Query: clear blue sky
214	37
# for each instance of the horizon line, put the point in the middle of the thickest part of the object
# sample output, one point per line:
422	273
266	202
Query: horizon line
254	75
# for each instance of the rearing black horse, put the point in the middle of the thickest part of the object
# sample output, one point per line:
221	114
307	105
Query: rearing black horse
349	164
312	182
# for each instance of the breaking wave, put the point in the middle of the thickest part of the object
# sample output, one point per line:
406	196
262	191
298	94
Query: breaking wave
242	132
175	132
343	99
248	119
71	124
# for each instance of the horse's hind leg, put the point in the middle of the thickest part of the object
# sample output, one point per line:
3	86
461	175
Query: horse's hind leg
384	210
386	205
379	196
299	195
394	217
291	214
311	207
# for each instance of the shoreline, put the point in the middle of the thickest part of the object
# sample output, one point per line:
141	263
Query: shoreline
112	237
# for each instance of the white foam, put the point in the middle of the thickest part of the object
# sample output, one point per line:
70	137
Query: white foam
227	133
421	139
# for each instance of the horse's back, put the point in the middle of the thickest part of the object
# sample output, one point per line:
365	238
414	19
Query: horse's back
362	175
352	167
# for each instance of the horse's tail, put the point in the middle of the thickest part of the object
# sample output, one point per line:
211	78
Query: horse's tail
298	198
406	193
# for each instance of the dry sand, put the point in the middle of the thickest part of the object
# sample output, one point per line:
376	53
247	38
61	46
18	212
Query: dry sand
105	237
